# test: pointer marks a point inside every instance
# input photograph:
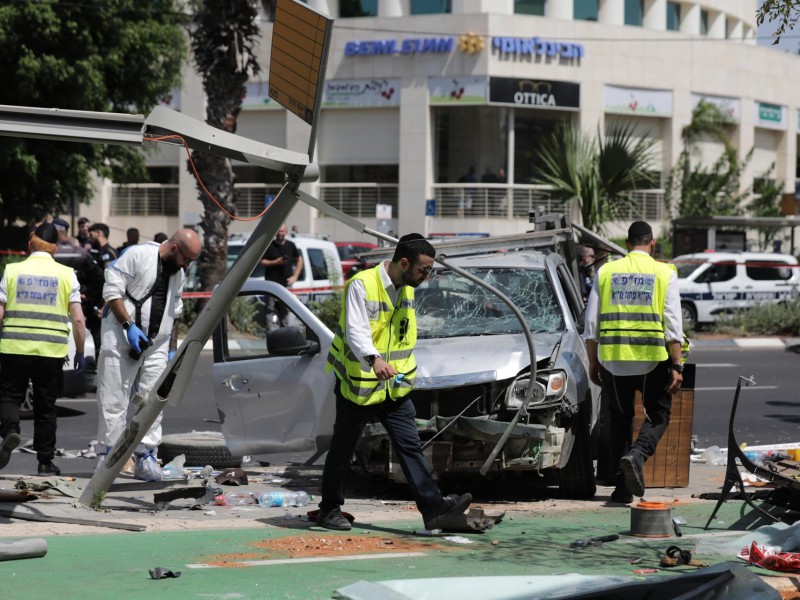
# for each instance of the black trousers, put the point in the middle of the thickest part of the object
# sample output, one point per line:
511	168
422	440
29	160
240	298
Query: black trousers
619	392
398	417
46	375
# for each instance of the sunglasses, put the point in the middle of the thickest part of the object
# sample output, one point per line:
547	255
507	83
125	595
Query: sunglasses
424	270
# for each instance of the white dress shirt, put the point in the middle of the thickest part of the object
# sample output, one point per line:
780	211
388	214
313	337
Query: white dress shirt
673	326
358	331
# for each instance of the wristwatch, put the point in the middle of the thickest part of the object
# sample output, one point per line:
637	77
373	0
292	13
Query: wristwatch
677	367
371	359
127	324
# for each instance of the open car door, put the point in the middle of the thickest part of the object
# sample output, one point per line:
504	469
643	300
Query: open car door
272	392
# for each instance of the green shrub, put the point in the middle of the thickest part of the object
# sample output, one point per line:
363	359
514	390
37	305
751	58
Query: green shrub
762	319
328	310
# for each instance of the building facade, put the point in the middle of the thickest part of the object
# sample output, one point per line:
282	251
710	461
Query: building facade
433	110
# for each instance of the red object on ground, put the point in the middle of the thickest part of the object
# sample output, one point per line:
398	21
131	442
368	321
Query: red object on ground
771	558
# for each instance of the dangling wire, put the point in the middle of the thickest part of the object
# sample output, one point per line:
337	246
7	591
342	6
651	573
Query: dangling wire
200	181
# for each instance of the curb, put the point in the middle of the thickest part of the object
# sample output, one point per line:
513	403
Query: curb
749	343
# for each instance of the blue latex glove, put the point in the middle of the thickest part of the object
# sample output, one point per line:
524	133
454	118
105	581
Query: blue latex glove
170	354
80	362
135	336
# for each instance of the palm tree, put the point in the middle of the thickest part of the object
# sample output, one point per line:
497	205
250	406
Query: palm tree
223	44
598	172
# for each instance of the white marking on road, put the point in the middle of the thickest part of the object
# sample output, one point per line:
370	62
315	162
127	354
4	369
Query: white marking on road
76	400
732	388
294	561
727	365
759	343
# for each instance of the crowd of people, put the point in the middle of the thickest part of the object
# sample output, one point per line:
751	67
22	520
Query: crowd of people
130	300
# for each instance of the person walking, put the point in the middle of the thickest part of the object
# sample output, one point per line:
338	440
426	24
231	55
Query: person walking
38	296
373	360
283	264
143	304
633	332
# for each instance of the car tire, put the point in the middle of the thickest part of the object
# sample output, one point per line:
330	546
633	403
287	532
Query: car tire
689	315
577	479
201	448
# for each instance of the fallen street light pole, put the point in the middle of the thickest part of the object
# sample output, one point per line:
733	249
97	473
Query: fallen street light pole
172	384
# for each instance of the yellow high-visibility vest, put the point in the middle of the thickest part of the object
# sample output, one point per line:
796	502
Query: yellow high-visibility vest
36	319
394	334
632	293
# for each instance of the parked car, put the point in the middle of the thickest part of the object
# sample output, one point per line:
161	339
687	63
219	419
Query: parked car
720	282
348	254
274	395
321	267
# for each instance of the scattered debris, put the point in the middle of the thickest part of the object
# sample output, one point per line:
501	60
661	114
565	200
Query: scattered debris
27	548
163	573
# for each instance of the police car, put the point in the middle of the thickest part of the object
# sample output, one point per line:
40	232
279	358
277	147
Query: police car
720	282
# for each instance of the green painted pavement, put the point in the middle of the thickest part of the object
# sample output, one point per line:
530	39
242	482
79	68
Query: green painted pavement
116	565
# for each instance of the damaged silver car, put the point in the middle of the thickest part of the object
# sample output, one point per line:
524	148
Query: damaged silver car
473	372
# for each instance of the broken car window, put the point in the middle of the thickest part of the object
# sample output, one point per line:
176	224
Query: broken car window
448	305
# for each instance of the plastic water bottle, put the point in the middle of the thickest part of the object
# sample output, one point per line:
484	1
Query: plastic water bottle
283	499
235	499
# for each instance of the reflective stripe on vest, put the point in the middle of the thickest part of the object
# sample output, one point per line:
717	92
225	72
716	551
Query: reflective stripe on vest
632	293
394	334
36	320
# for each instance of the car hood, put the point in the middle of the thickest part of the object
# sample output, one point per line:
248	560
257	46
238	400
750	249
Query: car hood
451	362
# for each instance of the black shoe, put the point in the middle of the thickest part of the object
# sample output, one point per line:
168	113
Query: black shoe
49	468
10	442
621	496
333	519
451	506
632	467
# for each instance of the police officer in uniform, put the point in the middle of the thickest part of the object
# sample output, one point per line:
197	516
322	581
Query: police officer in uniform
374	344
633	333
37	298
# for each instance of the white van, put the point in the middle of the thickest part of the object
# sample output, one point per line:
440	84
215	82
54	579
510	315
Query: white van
322	268
720	282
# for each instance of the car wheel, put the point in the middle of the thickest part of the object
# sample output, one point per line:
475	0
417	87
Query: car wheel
201	448
689	315
577	476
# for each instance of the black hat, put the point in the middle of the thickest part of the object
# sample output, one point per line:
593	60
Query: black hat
47	232
638	229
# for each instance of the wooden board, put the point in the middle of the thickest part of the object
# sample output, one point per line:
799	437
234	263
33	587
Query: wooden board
669	466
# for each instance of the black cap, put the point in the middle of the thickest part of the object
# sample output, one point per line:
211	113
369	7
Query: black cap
61	224
47	232
638	229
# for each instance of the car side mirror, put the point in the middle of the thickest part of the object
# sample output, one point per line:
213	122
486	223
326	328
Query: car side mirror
311	349
581	323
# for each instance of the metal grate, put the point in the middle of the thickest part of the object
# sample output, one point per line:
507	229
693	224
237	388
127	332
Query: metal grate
146	200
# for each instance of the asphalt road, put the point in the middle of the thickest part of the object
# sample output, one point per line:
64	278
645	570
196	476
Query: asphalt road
768	412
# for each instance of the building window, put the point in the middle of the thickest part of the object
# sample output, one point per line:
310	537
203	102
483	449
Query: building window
673	16
634	12
529	7
703	22
430	7
586	10
358	8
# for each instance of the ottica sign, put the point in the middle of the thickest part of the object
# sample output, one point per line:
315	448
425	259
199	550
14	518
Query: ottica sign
537	46
433	45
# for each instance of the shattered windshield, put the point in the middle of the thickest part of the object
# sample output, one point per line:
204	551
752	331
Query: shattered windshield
448	305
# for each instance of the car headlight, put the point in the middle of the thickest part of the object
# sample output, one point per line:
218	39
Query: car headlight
549	386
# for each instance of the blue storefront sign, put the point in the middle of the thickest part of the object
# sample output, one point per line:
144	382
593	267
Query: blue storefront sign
537	47
431	45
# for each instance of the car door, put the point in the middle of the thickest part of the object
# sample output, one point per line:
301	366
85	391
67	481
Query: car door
270	385
769	280
725	288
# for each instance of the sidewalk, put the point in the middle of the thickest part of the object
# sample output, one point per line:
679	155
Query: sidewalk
723	341
254	552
